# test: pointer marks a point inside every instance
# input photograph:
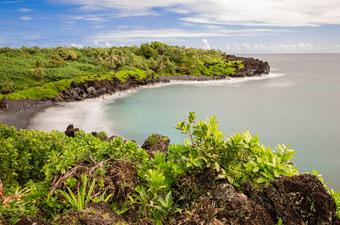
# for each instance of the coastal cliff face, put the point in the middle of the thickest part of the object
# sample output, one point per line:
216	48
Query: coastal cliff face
93	89
252	66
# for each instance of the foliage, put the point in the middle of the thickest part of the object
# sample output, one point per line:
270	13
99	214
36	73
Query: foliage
336	197
33	163
39	70
40	73
154	197
17	202
239	158
83	196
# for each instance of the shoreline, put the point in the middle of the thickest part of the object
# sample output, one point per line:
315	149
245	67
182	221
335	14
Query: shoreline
19	113
89	114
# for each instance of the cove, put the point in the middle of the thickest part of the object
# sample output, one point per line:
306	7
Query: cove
300	108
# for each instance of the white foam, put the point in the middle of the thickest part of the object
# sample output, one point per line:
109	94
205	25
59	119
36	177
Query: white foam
89	115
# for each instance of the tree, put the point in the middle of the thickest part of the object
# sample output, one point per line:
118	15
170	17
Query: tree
111	59
68	54
161	64
39	70
56	60
114	60
99	59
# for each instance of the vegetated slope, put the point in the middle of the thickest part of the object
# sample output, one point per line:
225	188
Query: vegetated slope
41	73
79	178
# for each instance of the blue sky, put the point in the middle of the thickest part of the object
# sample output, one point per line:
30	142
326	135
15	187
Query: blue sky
235	26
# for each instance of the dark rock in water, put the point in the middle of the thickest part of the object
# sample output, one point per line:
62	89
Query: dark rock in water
297	200
4	104
71	131
156	142
94	214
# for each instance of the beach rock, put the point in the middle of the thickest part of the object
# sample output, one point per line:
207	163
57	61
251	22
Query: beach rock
156	142
300	199
71	131
4	104
94	214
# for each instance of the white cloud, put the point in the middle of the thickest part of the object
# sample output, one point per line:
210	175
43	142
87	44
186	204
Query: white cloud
90	18
25	10
278	48
75	45
206	44
26	18
243	12
139	34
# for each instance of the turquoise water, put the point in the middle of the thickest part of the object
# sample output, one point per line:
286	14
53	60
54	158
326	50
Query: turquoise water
300	109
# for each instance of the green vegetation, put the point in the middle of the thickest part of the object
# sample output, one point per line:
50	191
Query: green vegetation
47	174
41	73
83	195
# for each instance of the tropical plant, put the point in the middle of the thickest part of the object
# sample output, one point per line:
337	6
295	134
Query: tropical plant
154	199
14	205
112	59
84	195
39	70
240	158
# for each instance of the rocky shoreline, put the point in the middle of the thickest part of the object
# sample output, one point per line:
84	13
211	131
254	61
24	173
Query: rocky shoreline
19	113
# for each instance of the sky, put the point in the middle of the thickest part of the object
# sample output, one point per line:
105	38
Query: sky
234	26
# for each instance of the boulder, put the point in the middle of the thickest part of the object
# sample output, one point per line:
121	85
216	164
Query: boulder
156	142
300	199
297	200
71	131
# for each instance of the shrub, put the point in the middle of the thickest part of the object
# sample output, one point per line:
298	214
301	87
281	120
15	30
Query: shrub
86	169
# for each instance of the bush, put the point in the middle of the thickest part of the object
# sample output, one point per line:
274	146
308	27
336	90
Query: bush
37	166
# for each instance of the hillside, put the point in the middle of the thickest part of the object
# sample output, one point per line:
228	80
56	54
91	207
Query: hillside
42	73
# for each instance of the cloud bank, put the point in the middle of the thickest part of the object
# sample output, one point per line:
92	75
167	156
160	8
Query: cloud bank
292	13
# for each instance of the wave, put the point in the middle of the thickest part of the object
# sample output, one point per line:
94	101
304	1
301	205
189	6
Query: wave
89	115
